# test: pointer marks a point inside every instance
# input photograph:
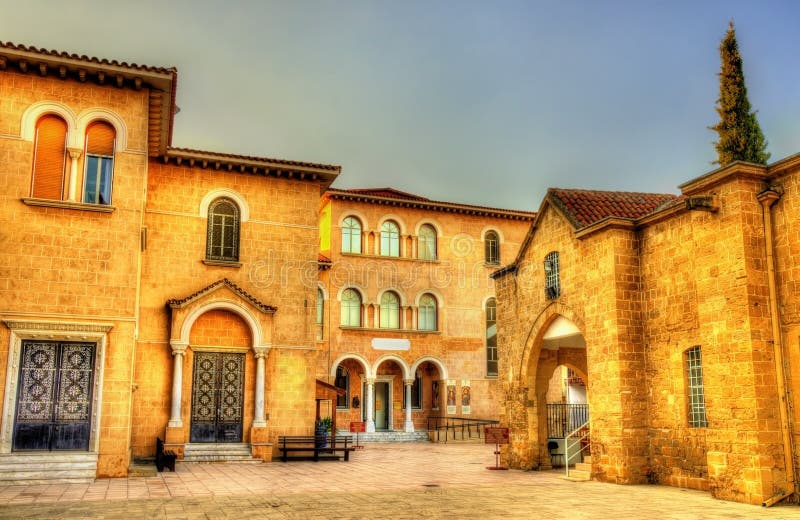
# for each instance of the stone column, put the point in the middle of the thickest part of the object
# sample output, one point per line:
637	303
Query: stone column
259	420
178	352
370	407
74	155
409	427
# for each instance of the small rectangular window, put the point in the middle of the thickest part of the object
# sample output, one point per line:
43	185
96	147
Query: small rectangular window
697	402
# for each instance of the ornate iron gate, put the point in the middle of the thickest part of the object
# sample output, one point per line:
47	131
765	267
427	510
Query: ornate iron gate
54	401
217	397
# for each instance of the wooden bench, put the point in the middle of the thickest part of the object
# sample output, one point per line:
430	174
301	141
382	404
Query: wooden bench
164	458
317	445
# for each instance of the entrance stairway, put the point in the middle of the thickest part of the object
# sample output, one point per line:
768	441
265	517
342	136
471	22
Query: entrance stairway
582	471
387	436
48	468
218	452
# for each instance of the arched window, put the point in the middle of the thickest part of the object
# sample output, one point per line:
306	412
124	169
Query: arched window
342	381
320	313
222	242
49	158
99	163
552	281
390	239
390	311
427	242
491	337
427	313
491	243
351	308
351	235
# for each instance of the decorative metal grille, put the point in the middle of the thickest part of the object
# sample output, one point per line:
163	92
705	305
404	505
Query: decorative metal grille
75	383
697	401
231	399
217	397
37	381
222	241
204	393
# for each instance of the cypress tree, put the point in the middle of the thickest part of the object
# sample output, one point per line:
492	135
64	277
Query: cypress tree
740	136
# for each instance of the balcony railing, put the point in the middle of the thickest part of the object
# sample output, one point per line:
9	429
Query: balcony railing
565	418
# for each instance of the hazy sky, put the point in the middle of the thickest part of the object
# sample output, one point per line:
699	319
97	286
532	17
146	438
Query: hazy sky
486	102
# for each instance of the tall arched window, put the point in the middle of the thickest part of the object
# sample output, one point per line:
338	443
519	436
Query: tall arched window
99	163
390	239
552	280
351	308
342	381
49	158
491	244
427	242
351	235
390	311
491	337
427	312
222	242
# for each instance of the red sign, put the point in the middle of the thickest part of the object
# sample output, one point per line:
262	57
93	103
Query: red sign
358	427
496	435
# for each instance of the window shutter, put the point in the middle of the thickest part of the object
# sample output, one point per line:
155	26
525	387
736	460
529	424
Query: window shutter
49	158
100	139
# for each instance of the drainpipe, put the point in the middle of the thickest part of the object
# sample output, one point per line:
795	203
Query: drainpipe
767	198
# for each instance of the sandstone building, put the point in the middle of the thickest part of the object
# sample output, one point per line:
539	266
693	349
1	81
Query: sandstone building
406	307
681	315
151	291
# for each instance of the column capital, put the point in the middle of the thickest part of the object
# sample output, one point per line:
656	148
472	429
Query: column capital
178	348
75	153
370	380
261	352
408	381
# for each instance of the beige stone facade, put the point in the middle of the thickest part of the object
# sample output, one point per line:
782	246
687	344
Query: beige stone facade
144	278
385	350
648	282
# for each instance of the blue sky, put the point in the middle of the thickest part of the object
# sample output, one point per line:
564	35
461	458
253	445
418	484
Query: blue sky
484	102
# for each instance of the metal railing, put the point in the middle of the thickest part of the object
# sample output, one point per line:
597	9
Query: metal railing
564	418
576	442
467	427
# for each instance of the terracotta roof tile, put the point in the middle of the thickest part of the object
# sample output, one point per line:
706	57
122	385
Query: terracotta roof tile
263	307
323	259
84	58
234	157
585	207
389	193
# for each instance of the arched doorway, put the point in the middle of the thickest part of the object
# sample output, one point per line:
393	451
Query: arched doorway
558	399
220	361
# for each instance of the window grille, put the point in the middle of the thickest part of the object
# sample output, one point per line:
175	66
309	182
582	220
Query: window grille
552	282
697	402
222	242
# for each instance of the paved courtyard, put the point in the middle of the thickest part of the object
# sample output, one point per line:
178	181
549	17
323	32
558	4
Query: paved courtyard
382	481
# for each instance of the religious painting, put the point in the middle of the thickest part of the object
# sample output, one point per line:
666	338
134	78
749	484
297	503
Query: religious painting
466	397
451	396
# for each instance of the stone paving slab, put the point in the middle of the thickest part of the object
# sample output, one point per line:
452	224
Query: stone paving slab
382	481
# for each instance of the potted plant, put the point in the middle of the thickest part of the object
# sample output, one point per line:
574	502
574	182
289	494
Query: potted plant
322	429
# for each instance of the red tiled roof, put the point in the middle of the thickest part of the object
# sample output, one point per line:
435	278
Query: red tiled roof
323	259
585	207
84	58
395	197
389	193
250	158
176	303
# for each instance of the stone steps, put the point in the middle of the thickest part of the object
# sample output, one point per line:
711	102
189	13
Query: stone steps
48	468
218	452
388	436
582	471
